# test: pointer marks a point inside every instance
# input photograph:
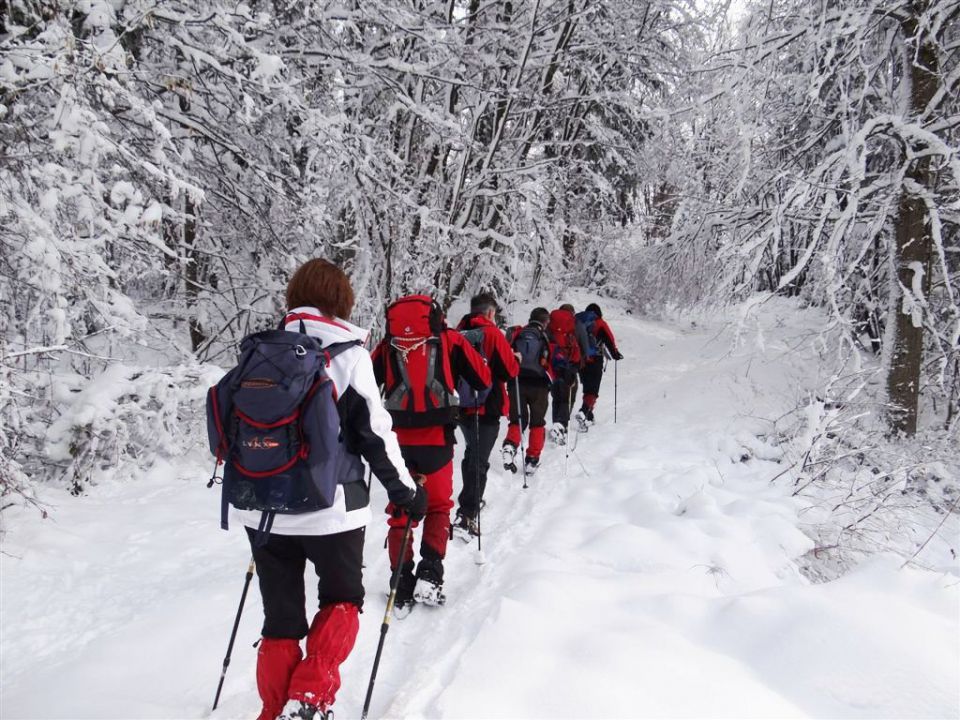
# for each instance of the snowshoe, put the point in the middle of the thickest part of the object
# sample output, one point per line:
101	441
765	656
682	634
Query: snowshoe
558	434
429	593
405	586
588	414
403	608
300	710
582	423
530	465
466	528
509	453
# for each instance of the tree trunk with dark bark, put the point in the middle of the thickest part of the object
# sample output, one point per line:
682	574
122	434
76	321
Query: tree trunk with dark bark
914	245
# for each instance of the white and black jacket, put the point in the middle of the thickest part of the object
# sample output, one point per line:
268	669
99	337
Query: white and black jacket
365	429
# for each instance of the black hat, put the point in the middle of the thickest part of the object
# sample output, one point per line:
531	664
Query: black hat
593	307
540	315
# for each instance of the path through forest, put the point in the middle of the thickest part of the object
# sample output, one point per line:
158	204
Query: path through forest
647	573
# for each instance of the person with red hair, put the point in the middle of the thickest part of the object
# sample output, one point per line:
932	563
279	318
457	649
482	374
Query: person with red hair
293	685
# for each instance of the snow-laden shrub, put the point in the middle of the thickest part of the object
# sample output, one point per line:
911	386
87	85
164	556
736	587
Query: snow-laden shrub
123	420
13	480
869	491
667	275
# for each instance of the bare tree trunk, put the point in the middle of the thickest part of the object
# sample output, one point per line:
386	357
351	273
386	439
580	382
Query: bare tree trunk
914	246
192	272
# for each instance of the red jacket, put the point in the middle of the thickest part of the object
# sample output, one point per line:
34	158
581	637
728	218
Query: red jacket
503	366
604	336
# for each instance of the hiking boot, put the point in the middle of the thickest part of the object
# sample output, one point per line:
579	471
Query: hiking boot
558	433
405	586
429	593
509	454
429	590
588	414
300	710
530	465
466	527
582	424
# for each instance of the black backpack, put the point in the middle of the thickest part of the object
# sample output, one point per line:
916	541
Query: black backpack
531	343
470	398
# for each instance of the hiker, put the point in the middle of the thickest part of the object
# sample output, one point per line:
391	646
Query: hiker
531	390
569	345
418	364
345	422
602	342
480	413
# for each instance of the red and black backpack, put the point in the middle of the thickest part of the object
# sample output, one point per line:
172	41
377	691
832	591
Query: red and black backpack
418	387
565	351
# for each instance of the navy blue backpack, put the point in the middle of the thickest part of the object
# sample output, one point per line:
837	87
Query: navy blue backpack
533	347
272	421
589	320
470	398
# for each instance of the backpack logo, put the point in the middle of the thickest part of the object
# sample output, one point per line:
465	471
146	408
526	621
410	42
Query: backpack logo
258	384
258	443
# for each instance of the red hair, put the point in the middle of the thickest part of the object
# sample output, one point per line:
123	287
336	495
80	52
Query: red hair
321	284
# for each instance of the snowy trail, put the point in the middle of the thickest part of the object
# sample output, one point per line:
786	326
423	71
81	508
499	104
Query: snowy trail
649	575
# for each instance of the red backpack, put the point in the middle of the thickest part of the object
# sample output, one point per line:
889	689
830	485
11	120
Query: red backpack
565	350
418	387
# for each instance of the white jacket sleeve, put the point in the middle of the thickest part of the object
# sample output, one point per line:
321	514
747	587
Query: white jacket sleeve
371	429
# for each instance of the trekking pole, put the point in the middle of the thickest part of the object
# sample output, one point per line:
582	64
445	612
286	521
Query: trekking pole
516	385
233	635
476	420
615	391
566	447
385	625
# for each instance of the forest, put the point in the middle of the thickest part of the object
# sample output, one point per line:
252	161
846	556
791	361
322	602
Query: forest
165	165
763	196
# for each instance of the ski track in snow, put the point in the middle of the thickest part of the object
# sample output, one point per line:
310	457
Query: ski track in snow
648	574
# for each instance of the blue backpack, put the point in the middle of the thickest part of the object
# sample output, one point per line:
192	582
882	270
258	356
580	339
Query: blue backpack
470	398
273	422
588	318
533	347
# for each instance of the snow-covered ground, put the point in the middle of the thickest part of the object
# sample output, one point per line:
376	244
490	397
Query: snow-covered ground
649	573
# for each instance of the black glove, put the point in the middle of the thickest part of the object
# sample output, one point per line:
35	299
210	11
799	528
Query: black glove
616	355
415	505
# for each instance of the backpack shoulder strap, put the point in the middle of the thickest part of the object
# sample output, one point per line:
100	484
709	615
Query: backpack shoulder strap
335	349
283	325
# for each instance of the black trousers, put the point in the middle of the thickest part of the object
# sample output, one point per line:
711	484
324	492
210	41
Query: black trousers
590	377
564	393
338	561
534	399
480	438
